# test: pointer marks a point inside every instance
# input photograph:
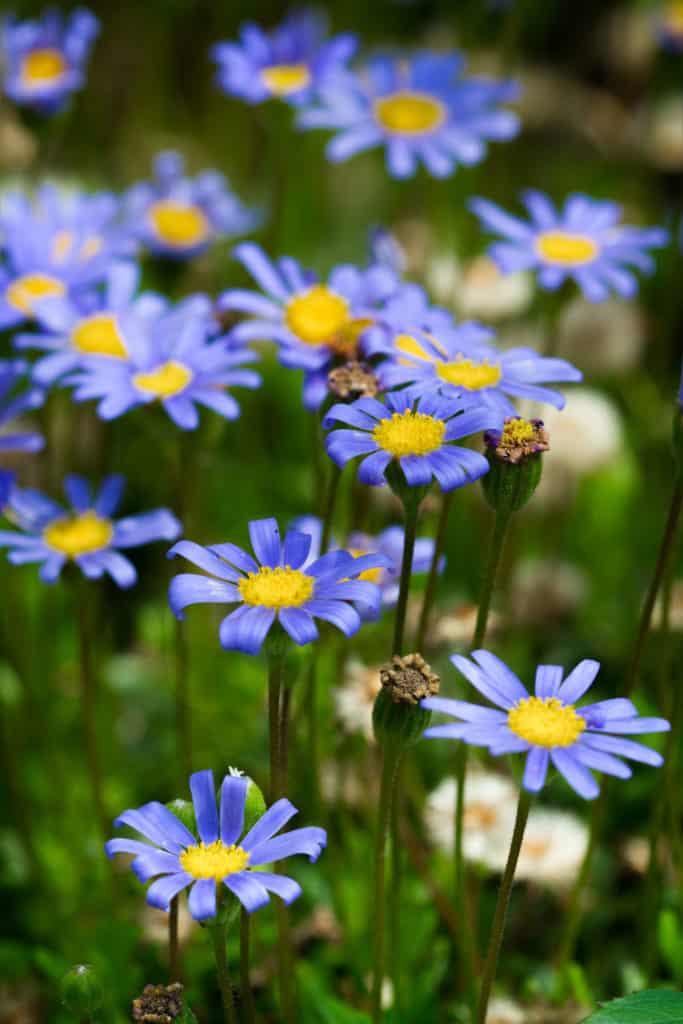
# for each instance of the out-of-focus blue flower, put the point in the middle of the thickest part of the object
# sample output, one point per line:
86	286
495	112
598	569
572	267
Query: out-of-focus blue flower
279	584
13	404
53	244
313	323
668	25
177	859
583	241
177	216
386	250
548	727
172	359
388	542
421	110
85	533
44	60
289	63
95	325
462	361
419	432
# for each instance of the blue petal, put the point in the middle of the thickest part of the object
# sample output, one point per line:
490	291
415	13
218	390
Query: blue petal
548	679
578	777
159	524
202	899
269	823
299	624
161	892
578	681
248	890
297	548
535	769
245	629
189	588
310	841
265	541
233	798
109	496
204	799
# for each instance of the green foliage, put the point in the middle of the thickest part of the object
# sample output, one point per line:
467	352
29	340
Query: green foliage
659	1006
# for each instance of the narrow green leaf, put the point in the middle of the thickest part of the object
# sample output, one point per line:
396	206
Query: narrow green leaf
659	1006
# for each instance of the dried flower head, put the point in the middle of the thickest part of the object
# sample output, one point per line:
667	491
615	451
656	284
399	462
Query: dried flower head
159	1004
518	440
408	679
353	380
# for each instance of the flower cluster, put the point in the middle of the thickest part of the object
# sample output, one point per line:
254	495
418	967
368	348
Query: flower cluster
12	405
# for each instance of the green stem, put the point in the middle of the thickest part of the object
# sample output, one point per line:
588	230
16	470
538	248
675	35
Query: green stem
313	733
218	938
245	957
665	551
390	763
183	726
498	927
173	946
500	528
275	669
330	504
433	578
468	972
88	702
410	511
395	895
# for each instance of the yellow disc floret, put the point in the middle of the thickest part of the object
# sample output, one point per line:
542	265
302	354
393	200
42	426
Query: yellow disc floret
164	381
99	335
410	433
410	113
566	249
284	79
180	225
518	432
371	575
215	861
42	67
470	375
546	722
281	587
25	291
79	535
318	316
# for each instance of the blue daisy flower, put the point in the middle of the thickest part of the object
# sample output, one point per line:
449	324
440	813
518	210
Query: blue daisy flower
44	60
85	533
421	109
419	432
584	241
13	404
55	244
313	323
178	216
95	325
548	726
279	584
388	542
173	359
288	63
462	361
176	859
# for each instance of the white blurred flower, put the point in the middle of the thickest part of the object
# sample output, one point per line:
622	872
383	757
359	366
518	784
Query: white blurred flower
629	42
490	801
663	133
584	436
505	1011
354	699
636	853
544	589
675	609
485	292
154	924
602	338
455	626
553	848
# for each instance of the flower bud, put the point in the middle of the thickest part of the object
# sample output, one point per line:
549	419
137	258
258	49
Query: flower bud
353	380
514	456
397	717
184	811
81	991
255	805
162	1004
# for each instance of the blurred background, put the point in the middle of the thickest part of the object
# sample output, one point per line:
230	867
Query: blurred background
602	113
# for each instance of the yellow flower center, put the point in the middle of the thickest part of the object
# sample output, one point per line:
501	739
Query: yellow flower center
26	291
371	575
673	18
281	587
409	113
565	248
546	722
61	246
318	316
78	535
516	432
470	375
410	433
99	335
283	79
178	224
41	67
213	861
165	381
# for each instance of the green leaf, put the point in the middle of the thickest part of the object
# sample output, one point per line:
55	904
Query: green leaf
659	1006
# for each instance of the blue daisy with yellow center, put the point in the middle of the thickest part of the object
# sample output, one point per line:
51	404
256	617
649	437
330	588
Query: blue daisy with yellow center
278	583
44	60
218	855
422	110
548	727
585	241
85	534
14	403
178	216
289	63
